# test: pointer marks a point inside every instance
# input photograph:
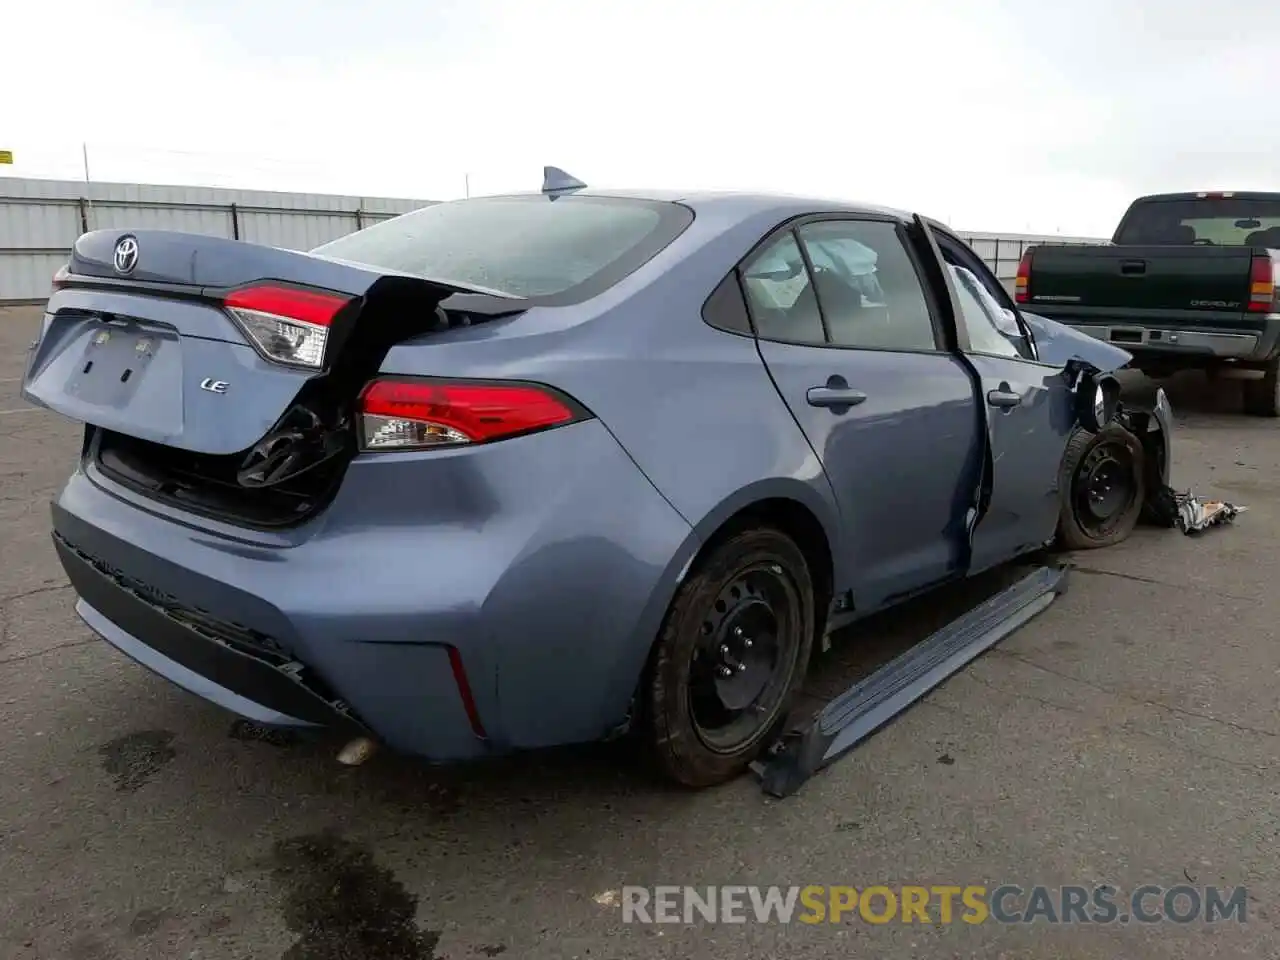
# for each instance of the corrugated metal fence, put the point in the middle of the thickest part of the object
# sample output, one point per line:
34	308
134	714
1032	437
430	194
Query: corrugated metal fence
41	219
1002	251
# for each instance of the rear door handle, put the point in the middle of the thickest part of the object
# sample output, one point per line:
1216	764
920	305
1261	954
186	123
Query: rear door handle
1133	267
1003	398
834	397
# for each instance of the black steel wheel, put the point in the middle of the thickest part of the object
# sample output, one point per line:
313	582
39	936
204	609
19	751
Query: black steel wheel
1102	487
734	646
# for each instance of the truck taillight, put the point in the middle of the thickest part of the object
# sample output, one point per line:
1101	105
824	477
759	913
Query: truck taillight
60	277
288	324
1022	282
420	414
1262	285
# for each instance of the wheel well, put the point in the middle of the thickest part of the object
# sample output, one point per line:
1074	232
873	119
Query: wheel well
791	518
797	522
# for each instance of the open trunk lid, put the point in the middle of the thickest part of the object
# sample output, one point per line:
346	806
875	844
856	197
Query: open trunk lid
204	344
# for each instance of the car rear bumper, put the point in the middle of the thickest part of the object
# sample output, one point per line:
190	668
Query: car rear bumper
546	588
258	686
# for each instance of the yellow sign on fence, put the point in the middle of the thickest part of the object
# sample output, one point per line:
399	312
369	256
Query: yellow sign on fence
6	156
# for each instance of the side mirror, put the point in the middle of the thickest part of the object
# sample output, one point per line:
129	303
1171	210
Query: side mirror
1097	400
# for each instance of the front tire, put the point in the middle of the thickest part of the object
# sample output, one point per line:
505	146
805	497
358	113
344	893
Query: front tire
1102	488
733	648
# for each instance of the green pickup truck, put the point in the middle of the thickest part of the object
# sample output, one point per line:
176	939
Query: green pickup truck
1189	281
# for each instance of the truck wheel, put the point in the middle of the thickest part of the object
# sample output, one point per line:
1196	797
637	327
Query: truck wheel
1262	397
1102	488
734	646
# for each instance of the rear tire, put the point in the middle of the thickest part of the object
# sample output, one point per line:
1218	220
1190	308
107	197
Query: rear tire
1262	397
732	651
1101	488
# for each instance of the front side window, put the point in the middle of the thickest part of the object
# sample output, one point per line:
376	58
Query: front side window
985	308
989	328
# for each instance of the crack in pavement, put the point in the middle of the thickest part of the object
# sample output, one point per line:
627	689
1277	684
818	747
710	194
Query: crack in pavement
19	657
1102	688
48	588
1136	578
1125	728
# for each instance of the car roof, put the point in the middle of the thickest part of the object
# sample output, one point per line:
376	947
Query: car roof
740	203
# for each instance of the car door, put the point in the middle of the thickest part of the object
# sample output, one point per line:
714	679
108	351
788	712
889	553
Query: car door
852	341
1029	412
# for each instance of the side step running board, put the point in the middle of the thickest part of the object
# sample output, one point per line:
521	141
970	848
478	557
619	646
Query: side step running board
875	700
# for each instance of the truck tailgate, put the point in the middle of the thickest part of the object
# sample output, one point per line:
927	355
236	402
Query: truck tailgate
1213	280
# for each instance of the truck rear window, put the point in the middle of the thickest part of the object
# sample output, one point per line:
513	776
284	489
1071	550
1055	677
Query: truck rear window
1217	221
560	250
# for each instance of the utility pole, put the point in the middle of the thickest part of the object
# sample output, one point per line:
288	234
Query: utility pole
466	180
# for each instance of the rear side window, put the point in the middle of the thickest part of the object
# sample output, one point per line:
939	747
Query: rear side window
1216	221
550	251
780	296
726	308
867	286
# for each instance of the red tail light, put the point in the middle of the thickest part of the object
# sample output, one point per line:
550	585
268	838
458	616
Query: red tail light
464	691
288	324
422	414
1022	282
1262	285
60	278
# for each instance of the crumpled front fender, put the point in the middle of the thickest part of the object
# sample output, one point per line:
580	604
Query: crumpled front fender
1144	407
1146	413
1059	344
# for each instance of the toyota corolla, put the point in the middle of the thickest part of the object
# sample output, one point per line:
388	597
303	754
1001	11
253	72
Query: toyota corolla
521	471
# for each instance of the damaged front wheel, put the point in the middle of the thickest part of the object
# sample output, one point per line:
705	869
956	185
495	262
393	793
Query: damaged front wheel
1102	488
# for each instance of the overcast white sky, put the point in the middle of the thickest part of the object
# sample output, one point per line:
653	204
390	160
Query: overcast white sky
1006	115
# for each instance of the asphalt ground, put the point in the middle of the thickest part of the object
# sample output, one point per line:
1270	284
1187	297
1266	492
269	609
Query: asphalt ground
1126	737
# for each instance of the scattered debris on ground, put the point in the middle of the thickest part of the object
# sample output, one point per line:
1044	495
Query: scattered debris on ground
1189	513
1195	514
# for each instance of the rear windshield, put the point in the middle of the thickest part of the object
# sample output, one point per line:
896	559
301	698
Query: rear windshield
564	249
1218	221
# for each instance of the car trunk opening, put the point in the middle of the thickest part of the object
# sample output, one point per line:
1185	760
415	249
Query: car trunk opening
189	404
297	466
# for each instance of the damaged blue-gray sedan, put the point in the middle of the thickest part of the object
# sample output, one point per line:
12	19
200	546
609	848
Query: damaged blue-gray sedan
514	472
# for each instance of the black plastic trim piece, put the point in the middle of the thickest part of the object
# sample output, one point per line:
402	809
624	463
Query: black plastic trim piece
872	702
281	688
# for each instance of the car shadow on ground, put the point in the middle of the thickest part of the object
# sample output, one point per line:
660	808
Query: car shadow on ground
1193	392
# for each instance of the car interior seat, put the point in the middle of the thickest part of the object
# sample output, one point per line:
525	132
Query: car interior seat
803	319
841	302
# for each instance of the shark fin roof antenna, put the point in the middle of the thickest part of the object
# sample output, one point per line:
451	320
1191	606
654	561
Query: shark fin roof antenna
556	182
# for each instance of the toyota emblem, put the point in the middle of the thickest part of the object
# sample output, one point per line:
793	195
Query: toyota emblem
126	256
